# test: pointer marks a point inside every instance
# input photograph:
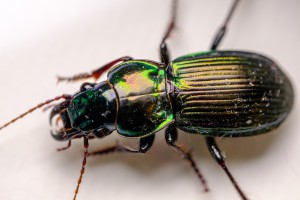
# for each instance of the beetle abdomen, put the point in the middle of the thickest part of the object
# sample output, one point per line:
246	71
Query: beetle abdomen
229	93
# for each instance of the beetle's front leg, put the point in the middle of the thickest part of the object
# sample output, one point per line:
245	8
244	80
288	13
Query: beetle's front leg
144	145
217	155
171	138
95	73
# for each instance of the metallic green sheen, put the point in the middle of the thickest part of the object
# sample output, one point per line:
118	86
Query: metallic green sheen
143	106
229	93
93	109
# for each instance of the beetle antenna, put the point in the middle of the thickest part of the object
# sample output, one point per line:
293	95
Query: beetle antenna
64	96
86	146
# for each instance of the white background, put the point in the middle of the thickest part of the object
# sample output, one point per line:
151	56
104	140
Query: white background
42	39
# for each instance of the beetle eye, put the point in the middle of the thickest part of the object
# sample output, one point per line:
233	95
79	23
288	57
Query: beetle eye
86	86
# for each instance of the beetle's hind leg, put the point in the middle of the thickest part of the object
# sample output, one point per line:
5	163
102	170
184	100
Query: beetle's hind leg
164	52
217	155
171	138
95	73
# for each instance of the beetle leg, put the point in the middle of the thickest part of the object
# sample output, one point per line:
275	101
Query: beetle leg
94	74
164	52
222	30
217	155
145	144
171	138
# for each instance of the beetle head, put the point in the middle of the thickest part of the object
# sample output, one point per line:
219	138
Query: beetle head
91	112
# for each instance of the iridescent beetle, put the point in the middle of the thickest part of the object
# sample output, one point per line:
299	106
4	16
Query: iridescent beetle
214	94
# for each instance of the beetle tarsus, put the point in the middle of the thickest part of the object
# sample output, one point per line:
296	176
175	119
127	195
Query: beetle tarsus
94	74
78	77
217	155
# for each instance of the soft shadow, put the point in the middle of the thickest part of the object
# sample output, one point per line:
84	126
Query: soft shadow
160	155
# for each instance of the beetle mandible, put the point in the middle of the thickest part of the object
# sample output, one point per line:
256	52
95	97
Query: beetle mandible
214	94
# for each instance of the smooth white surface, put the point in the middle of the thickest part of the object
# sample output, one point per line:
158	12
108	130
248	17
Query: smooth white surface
41	39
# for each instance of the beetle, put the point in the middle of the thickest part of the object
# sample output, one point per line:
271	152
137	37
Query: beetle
215	94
